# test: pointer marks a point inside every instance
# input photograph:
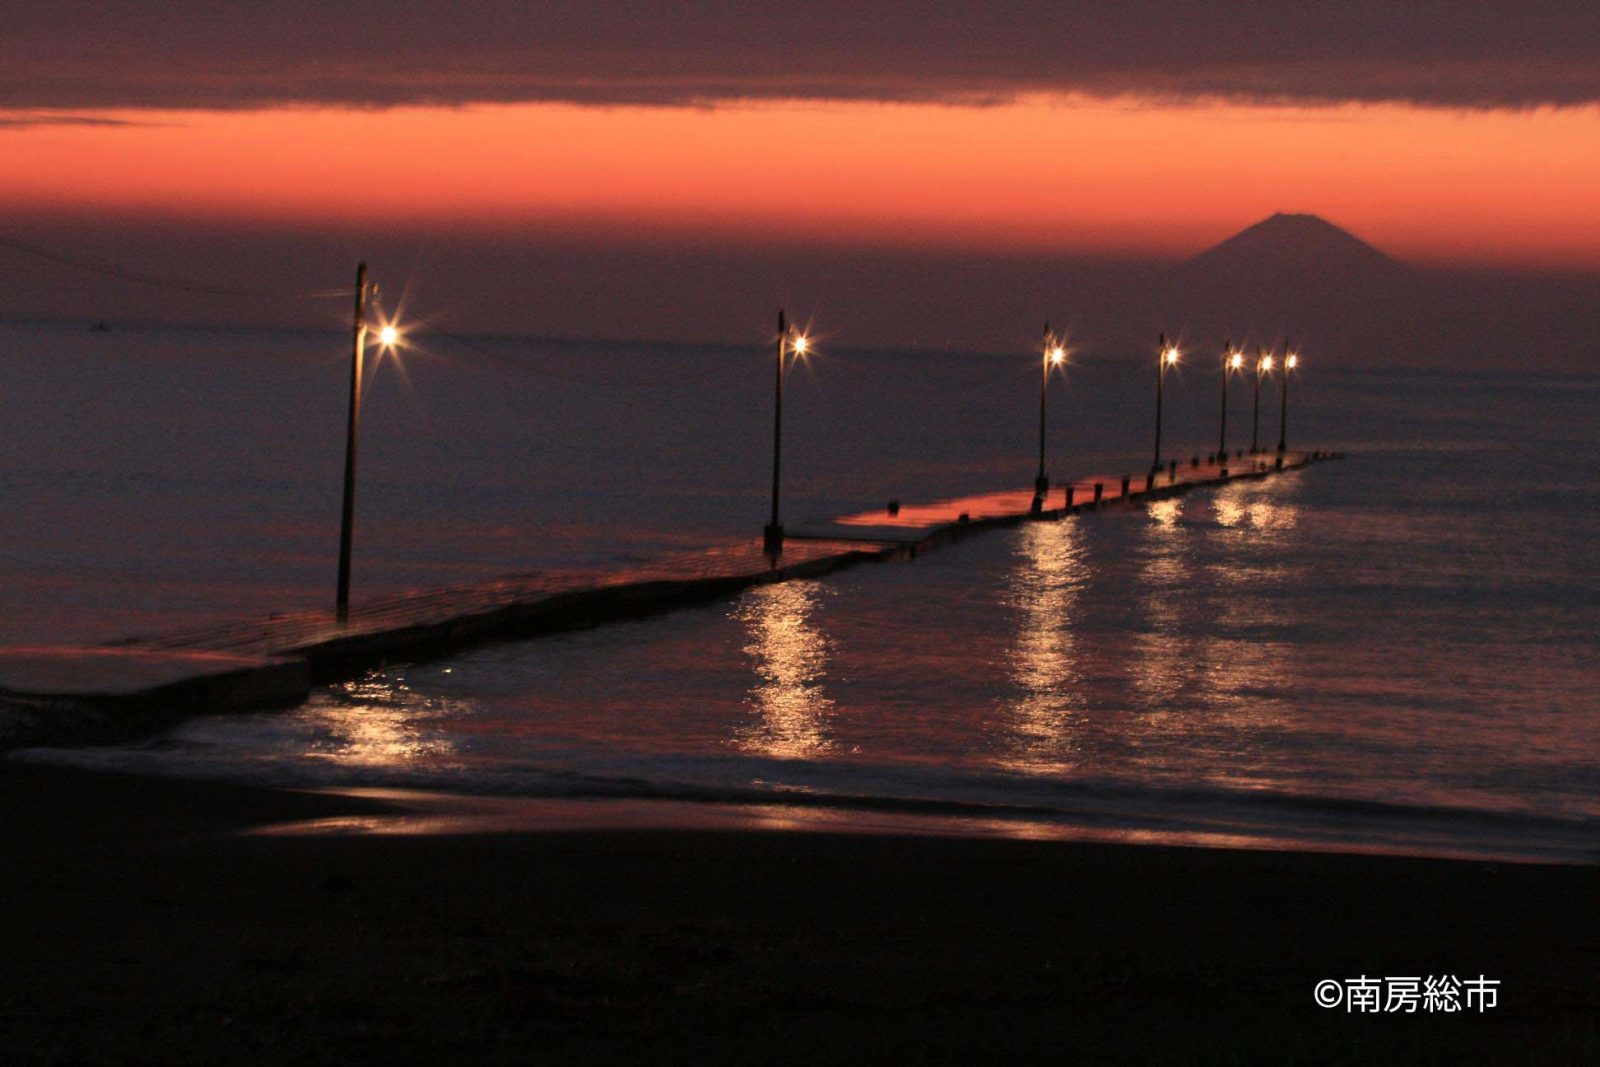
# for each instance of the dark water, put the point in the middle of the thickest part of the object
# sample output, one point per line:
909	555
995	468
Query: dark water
1398	651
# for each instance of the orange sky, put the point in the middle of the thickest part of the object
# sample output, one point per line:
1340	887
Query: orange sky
1428	185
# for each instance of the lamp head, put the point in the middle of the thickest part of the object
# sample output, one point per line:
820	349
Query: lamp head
801	344
1235	361
388	335
1291	361
1058	355
1266	363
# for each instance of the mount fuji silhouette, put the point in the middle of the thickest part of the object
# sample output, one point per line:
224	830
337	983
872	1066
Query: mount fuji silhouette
1305	247
1297	278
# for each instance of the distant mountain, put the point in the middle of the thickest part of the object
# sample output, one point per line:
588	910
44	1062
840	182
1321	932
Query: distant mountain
1298	278
1295	246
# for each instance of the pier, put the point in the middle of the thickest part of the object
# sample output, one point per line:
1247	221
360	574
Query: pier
73	694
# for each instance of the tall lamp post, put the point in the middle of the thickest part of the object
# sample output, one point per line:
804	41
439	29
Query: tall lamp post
772	535
1290	362
1168	358
1263	367
388	337
1053	354
1232	360
358	345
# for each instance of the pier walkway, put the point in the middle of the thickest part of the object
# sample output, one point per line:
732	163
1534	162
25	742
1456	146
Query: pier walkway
72	694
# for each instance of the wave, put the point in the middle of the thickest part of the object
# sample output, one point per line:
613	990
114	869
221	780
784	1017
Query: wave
1179	813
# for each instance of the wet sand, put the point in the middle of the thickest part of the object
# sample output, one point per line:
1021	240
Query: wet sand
141	925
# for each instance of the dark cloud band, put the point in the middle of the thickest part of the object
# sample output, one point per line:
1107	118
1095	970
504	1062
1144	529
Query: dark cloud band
1461	53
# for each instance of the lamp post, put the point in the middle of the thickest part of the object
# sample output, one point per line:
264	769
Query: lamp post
1263	367
772	536
1232	360
1167	358
352	438
1053	354
388	337
1290	362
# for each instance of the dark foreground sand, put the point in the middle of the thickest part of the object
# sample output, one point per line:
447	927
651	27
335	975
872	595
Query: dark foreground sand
138	928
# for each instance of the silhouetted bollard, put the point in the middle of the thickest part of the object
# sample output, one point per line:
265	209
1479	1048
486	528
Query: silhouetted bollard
1149	482
1278	464
1194	462
1038	503
964	518
1172	471
1099	491
1069	495
894	507
1125	481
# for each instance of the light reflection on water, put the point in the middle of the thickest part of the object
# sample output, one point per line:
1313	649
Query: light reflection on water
379	720
788	652
1163	658
1043	720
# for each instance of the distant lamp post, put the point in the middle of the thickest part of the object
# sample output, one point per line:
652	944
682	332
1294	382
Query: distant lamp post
388	336
1053	354
1290	362
788	340
1168	358
1232	360
1263	368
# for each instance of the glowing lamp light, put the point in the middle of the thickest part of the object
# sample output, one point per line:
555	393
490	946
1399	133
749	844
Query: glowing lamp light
1170	356
1058	355
1266	363
388	336
802	345
1236	360
1292	362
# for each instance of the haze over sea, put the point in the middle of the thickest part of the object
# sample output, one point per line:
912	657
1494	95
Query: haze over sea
1398	652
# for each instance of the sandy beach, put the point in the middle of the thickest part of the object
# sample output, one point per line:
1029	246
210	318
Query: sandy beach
143	926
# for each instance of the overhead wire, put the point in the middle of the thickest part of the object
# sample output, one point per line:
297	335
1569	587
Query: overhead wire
126	274
977	374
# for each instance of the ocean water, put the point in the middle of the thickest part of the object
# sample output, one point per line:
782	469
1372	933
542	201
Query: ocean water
1396	652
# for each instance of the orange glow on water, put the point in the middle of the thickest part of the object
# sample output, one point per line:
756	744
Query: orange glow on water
1039	173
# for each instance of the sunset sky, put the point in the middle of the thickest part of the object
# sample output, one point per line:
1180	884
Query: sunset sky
1447	134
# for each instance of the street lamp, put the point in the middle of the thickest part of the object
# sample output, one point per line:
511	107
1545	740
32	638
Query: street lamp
388	336
1054	354
1167	358
1232	360
772	536
1290	362
1263	367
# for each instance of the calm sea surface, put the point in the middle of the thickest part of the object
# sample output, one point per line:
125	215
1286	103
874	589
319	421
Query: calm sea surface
1400	651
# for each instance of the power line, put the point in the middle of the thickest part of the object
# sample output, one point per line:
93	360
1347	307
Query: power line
125	274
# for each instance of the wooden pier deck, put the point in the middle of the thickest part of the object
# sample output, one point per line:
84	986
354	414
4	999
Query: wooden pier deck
70	694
